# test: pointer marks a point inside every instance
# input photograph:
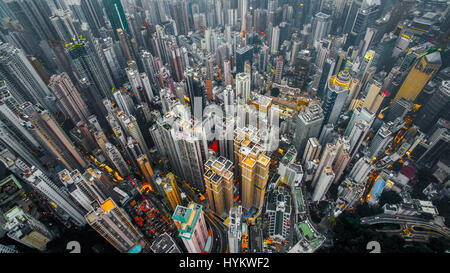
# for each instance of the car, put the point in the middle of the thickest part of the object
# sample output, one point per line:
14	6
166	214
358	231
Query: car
377	217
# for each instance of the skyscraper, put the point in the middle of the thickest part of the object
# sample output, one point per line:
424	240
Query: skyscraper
381	139
279	70
243	88
114	225
308	125
53	138
312	150
116	15
337	94
219	184
326	161
321	26
375	97
179	10
361	170
116	158
22	79
243	54
253	166
437	106
191	225
68	98
63	203
80	188
172	191
27	230
418	76
324	182
275	40
88	66
146	168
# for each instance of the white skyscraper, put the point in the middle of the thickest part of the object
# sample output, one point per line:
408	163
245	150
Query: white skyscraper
243	88
275	40
360	170
42	183
325	180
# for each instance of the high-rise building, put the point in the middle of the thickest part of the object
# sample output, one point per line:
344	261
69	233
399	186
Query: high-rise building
124	101
103	182
381	139
173	195
253	167
68	98
53	138
22	79
64	205
327	71
175	62
191	225
179	11
337	94
279	70
326	134
235	230
418	76
81	189
183	143
312	150
357	135
359	113
243	54
362	14
33	16
291	172
342	158
89	66
275	40
308	125
195	90
63	24
375	97
116	158
361	170
145	167
324	182
25	229
243	88
135	80
116	15
326	161
436	107
321	26
219	178
398	109
115	226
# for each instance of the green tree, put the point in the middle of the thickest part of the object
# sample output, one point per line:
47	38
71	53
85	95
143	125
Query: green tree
275	92
389	197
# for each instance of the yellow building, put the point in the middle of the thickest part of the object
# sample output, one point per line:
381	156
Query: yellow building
419	75
146	169
253	166
375	97
219	184
172	191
